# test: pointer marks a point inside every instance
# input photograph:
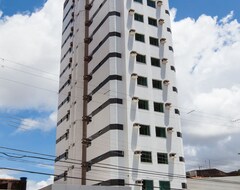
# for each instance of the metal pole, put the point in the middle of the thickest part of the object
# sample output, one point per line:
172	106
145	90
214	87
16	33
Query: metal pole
85	101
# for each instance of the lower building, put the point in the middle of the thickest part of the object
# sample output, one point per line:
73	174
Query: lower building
13	184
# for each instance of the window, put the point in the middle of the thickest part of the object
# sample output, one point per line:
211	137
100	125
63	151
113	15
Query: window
155	62
181	159
175	89
173	68
146	157
151	3
142	81
179	134
162	158
169	30
164	185
138	17
160	132
184	185
158	107
147	185
143	104
167	12
139	1
152	21
177	111
144	130
157	84
141	58
170	48
140	37
154	41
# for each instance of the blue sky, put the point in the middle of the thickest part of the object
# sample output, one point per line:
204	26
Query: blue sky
44	141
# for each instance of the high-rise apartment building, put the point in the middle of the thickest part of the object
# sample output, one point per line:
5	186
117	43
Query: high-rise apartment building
118	118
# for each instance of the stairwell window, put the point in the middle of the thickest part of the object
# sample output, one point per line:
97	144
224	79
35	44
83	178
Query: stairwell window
144	130
153	41
162	158
140	37
158	107
143	104
155	62
141	58
138	17
152	21
146	157
142	81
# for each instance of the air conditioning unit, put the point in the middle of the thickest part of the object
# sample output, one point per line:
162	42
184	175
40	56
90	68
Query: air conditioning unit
159	3
164	60
139	182
163	41
166	82
133	53
161	21
170	129
134	75
137	152
172	155
135	99
168	105
132	31
131	12
136	125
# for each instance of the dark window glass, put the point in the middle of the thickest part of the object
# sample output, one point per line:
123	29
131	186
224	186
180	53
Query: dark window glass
164	185
139	1
157	84
175	89
143	104
158	107
160	132
155	62
181	159
184	185
151	3
144	130
139	37
167	12
179	134
154	41
169	30
170	48
146	156
141	58
147	185
162	158
177	111
152	21
173	68
138	17
142	81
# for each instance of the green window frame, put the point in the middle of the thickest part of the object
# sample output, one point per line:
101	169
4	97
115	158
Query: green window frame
155	62
146	156
164	185
162	158
158	107
144	130
141	58
157	84
143	104
142	81
152	21
160	132
153	41
138	17
139	37
147	185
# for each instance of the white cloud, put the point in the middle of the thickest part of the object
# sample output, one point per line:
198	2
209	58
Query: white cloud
33	40
4	174
33	185
43	124
207	62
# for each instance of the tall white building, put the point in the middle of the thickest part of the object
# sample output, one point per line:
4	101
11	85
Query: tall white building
118	118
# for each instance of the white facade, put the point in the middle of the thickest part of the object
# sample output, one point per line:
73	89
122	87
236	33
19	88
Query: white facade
132	85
